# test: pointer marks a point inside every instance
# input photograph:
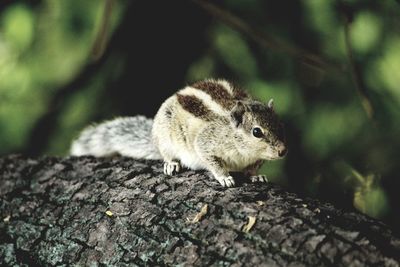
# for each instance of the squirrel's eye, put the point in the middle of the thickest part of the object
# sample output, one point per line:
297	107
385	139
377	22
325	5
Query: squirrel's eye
257	132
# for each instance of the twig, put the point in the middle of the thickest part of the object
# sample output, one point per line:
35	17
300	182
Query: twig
267	40
102	36
355	71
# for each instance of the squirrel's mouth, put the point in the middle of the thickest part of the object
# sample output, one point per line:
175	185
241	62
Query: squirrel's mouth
276	155
271	157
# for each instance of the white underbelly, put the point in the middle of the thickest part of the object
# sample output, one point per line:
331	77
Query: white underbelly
236	162
190	160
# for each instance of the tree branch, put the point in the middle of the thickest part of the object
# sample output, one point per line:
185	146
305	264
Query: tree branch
122	212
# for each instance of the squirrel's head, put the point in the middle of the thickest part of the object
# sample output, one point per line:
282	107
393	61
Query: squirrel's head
260	131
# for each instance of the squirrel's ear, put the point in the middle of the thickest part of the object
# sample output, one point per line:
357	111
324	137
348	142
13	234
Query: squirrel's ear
237	113
271	104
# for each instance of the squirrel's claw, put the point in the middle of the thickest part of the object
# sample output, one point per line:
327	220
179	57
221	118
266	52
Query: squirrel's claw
171	168
259	178
225	181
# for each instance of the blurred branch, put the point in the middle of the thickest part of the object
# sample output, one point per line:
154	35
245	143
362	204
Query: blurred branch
102	36
274	43
355	70
47	123
267	40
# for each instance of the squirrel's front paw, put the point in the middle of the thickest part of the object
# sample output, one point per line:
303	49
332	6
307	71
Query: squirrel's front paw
172	167
225	181
258	178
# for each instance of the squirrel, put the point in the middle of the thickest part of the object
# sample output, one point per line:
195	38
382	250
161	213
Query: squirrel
211	125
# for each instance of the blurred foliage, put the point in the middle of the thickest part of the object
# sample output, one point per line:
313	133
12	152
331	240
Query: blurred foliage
369	197
331	139
40	50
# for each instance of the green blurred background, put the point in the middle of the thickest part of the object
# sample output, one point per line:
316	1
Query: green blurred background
65	64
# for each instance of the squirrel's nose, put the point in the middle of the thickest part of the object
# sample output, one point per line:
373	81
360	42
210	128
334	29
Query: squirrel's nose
282	151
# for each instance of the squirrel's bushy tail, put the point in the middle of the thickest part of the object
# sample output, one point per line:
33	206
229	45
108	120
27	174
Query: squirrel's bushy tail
129	136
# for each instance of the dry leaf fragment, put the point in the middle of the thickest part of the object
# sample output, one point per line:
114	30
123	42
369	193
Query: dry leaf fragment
250	224
109	213
260	203
201	214
7	219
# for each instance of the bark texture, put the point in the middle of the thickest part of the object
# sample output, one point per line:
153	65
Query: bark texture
124	212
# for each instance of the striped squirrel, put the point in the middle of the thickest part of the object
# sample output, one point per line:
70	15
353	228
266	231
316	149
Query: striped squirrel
210	125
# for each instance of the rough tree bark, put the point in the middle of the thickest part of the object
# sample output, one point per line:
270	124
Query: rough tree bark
119	211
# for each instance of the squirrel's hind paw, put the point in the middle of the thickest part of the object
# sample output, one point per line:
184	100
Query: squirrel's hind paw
225	181
258	178
172	167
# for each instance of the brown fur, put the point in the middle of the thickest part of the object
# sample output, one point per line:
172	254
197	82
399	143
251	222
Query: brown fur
217	92
195	106
239	93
